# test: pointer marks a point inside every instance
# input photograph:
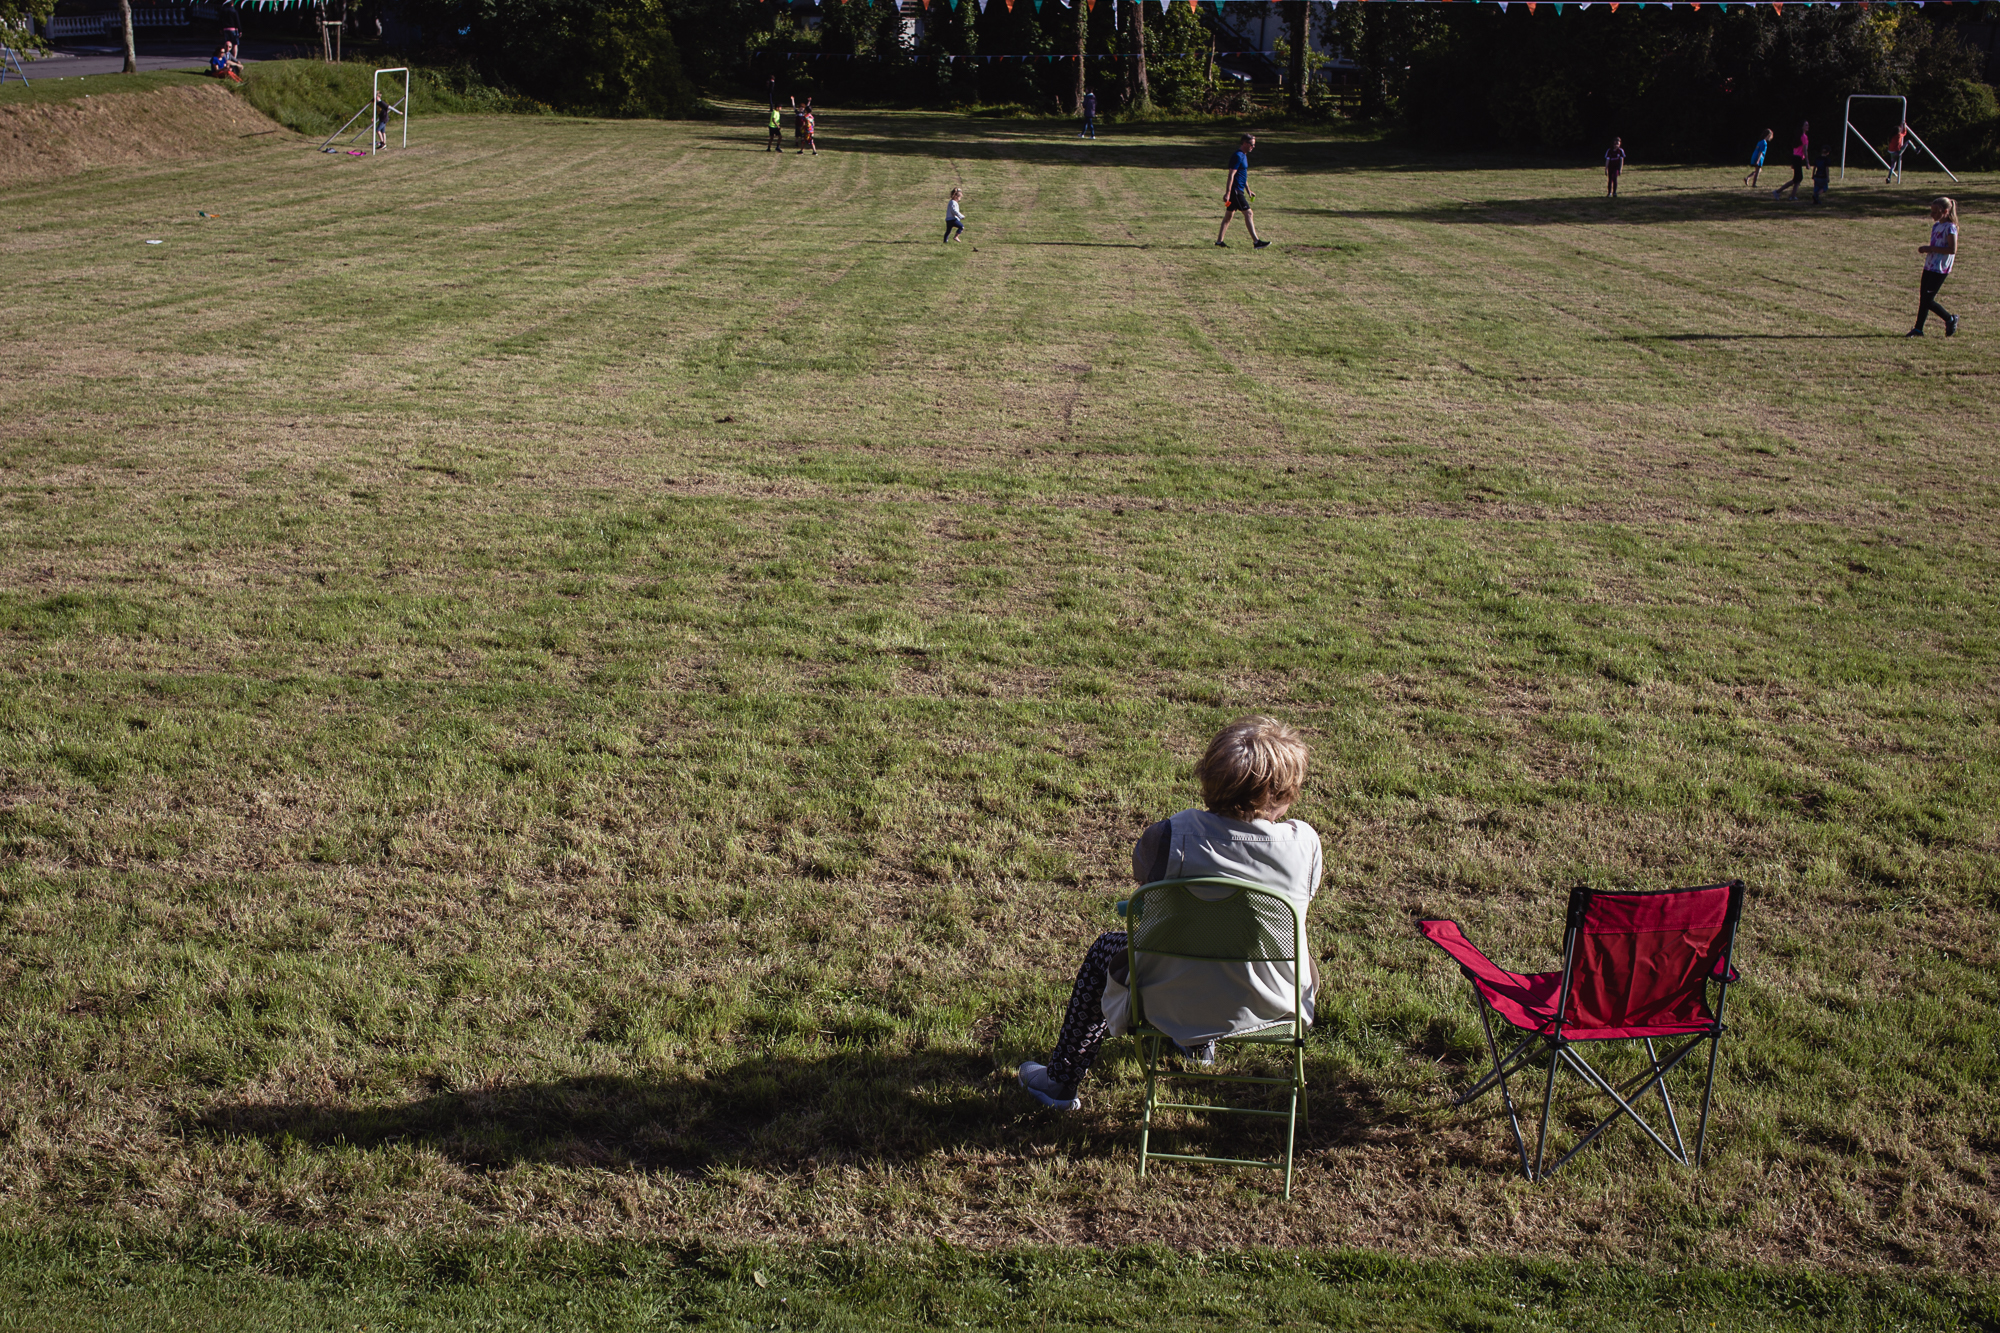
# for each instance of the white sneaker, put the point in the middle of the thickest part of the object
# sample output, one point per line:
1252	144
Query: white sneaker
1035	1078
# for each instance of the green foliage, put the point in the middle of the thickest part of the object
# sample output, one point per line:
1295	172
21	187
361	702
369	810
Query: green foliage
1177	63
598	57
1967	119
314	97
626	63
1676	83
17	24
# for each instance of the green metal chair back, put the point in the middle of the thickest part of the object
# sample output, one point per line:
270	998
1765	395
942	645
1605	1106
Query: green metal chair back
1247	924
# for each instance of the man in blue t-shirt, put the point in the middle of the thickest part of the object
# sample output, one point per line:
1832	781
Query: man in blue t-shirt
1236	195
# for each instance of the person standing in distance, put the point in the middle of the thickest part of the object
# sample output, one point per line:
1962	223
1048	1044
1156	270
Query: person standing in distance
776	142
1089	115
1614	162
1236	194
1896	147
1799	155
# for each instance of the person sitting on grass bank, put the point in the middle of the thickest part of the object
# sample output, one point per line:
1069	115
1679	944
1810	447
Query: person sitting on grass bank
1250	776
219	66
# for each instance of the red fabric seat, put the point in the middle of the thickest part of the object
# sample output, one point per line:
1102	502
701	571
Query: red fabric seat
1643	961
1636	966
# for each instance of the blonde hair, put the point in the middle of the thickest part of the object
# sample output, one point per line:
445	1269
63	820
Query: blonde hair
1254	766
1950	207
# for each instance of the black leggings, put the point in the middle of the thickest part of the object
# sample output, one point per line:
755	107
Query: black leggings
1083	1026
950	227
1798	174
1927	300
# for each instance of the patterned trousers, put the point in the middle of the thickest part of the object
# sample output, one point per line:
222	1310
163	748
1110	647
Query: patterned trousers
1083	1027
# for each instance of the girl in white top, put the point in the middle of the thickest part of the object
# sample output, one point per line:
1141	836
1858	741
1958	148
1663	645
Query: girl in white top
1250	776
1938	256
954	217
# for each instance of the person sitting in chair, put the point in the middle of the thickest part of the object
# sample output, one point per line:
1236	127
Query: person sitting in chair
1252	773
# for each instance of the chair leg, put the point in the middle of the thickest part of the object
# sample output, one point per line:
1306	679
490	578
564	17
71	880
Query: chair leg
1513	1062
1673	1121
1548	1099
1506	1095
1150	1048
1624	1107
1292	1120
1708	1090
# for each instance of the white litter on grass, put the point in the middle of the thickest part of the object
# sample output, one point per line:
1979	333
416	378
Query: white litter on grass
155	242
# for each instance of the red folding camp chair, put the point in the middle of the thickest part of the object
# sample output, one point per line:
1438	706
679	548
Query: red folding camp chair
1636	966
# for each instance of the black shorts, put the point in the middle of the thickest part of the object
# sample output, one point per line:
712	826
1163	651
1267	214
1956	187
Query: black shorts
1239	202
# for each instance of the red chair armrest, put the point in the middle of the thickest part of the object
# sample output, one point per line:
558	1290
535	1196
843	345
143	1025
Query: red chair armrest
1476	965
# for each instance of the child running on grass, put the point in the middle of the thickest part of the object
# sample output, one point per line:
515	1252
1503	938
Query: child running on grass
1251	775
775	143
954	216
1614	162
1798	163
1938	257
1757	159
806	129
1821	168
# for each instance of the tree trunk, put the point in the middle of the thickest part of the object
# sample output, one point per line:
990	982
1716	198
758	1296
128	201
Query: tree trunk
1082	45
131	42
1297	15
1142	96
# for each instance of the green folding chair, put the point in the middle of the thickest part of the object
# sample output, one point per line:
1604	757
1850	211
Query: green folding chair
1251	924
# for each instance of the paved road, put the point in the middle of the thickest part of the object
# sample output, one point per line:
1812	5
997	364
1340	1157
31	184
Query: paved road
75	59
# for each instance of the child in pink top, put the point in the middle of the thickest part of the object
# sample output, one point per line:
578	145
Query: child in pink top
1799	155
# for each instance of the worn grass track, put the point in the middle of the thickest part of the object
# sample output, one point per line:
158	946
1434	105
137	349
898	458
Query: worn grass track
584	680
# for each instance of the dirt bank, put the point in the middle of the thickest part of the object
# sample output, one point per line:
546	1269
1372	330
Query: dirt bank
39	141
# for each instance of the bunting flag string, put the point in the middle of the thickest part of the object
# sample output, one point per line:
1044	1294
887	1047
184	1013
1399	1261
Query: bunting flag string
1560	6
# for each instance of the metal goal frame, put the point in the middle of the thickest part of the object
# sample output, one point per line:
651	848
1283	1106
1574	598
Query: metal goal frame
1903	118
366	115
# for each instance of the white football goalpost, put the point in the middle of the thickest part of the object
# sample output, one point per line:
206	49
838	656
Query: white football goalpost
366	115
1894	169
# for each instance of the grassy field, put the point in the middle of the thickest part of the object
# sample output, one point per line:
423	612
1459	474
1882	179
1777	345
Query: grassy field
588	684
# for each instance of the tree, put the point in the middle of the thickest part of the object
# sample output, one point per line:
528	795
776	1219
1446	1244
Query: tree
1142	96
1179	67
1296	12
602	57
131	42
1082	47
18	17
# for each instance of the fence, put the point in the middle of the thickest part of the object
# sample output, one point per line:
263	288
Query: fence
90	25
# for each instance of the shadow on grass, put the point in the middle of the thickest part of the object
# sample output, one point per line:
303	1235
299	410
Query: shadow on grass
1746	337
1319	150
768	1111
779	1112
